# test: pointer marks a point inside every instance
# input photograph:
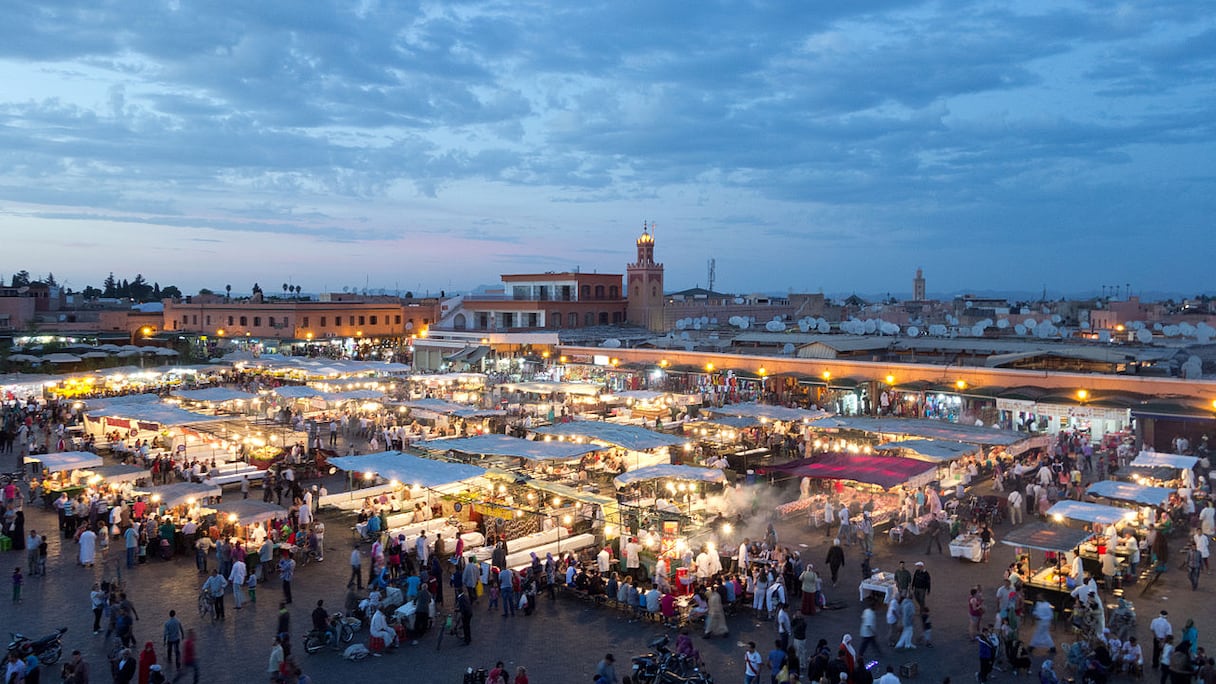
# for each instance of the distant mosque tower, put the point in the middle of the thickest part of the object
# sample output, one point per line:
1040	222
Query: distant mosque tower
644	285
918	286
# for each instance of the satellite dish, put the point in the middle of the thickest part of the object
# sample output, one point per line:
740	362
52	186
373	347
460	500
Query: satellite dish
1002	324
713	321
788	348
745	324
977	330
803	326
913	331
680	325
1019	329
611	343
689	346
1055	318
1144	336
1030	323
889	328
696	325
1085	325
1104	336
777	318
684	336
738	300
871	326
1157	327
1186	330
823	327
1170	331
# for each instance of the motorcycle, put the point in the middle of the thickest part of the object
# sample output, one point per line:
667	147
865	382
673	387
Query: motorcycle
662	666
315	639
48	649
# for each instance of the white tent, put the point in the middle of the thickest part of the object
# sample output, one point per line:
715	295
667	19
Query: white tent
66	460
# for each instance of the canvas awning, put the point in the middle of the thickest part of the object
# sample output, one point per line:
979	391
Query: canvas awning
630	437
215	395
408	469
1044	537
66	460
670	472
449	408
183	492
1153	459
929	429
539	387
884	471
161	414
1128	491
511	447
769	412
116	474
935	450
1088	512
250	511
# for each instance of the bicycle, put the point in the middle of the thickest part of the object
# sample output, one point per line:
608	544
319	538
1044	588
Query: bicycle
451	623
206	605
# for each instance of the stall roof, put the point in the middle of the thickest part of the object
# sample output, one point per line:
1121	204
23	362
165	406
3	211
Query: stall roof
930	429
125	400
1127	491
769	412
632	437
1153	459
439	378
214	395
249	511
121	473
296	392
1044	537
66	460
450	408
408	469
733	422
181	492
162	414
884	471
930	449
539	387
670	472
513	447
1089	512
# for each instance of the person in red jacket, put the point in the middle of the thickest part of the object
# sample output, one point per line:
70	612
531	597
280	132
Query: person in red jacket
189	660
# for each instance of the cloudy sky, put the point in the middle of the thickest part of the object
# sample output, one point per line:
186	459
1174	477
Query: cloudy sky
803	145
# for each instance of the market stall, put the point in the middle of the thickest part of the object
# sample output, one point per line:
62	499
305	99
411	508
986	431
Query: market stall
1153	459
1130	492
1051	581
632	446
1089	512
184	493
932	450
881	482
64	461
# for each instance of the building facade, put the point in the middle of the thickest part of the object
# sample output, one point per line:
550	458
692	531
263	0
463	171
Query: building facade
285	319
539	301
645	286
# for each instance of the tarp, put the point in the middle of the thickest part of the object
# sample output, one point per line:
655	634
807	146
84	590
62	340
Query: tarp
732	422
182	492
501	445
632	437
1153	459
214	395
449	408
935	450
1044	537
408	469
66	460
539	387
1128	491
296	392
115	474
670	472
884	471
161	414
768	412
125	400
929	429
1089	512
250	511
449	378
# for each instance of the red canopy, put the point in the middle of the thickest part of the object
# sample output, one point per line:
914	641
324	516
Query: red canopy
884	471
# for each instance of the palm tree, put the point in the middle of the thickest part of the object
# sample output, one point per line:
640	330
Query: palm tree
298	288
228	288
285	289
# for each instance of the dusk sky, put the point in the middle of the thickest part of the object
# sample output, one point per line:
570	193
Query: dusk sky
804	145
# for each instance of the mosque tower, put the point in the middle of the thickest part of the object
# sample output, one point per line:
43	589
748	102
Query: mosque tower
644	285
918	286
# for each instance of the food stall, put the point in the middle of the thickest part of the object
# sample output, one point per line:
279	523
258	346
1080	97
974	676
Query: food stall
1151	467
239	517
685	485
880	483
59	472
1049	582
649	405
546	459
1098	516
632	446
1130	492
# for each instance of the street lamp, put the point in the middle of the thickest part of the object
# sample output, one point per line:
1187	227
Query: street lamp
1082	395
890	379
961	384
709	367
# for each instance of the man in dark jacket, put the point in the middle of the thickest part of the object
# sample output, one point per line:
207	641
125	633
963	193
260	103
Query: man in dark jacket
922	584
835	559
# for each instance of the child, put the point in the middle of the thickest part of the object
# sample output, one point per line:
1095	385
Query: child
252	584
17	582
493	594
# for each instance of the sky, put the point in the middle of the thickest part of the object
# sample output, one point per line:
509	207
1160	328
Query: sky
804	146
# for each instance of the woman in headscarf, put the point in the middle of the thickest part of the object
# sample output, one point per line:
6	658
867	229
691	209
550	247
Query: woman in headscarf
147	658
848	654
1047	673
1191	633
1043	614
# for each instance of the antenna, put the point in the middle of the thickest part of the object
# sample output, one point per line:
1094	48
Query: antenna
713	273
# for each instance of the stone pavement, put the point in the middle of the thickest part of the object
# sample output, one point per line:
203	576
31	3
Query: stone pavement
562	642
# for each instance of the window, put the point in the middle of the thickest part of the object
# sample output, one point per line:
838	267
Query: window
637	291
257	321
352	320
323	322
588	318
573	320
599	291
244	321
208	320
586	292
616	316
555	319
361	320
306	321
614	292
397	319
270	321
533	320
603	318
230	320
654	291
185	318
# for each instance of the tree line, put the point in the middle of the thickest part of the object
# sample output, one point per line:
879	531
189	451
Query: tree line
137	288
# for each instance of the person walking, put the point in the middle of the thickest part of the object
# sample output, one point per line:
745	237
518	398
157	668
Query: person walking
987	655
237	577
922	584
356	569
868	631
907	614
189	661
215	586
275	660
465	607
97	599
1161	628
172	640
287	572
506	579
606	671
935	531
835	559
1194	564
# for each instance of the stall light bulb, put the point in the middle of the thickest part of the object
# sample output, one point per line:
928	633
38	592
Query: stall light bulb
726	528
566	520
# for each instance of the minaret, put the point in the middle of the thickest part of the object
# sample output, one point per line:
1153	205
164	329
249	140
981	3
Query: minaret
918	286
644	285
